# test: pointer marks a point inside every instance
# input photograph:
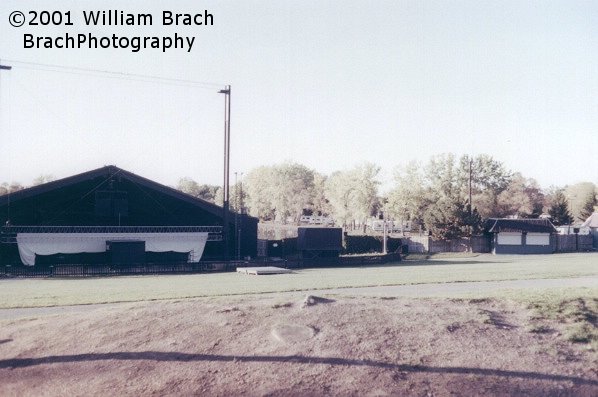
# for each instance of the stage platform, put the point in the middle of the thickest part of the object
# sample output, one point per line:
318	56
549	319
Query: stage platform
263	270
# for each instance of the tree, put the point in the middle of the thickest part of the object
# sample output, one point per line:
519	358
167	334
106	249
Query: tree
320	204
258	187
238	197
448	219
440	191
489	178
441	219
189	186
280	192
522	198
407	200
43	179
12	187
589	207
291	190
559	209
578	197
338	194
365	190
207	192
353	194
204	192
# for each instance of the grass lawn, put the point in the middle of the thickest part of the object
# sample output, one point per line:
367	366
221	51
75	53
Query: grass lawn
53	292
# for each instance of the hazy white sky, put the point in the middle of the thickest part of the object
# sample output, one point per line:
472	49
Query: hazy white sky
326	83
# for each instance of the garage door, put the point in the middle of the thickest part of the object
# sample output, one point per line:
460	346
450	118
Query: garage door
509	238
538	239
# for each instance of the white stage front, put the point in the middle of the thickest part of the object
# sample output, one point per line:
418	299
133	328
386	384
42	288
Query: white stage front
31	244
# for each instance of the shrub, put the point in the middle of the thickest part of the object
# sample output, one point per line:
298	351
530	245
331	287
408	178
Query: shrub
366	244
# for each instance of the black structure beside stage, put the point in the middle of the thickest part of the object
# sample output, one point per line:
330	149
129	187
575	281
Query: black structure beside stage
113	197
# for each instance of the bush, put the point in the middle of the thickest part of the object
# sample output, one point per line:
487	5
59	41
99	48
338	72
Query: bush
367	244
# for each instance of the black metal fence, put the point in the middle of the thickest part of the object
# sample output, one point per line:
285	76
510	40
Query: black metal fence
103	270
350	260
113	270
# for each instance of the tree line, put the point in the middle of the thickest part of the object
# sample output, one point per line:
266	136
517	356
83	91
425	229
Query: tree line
446	195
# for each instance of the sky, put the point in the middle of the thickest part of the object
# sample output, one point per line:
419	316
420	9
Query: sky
329	84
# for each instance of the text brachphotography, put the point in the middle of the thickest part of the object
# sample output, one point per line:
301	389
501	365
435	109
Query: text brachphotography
90	41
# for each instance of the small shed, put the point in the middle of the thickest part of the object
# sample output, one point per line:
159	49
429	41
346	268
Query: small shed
521	236
592	223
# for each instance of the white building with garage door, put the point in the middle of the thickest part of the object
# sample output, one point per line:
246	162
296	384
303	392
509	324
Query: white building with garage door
521	236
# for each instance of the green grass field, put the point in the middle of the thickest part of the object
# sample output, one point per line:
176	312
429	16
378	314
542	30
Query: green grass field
53	292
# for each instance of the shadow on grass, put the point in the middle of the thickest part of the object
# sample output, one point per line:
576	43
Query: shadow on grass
407	263
187	357
435	262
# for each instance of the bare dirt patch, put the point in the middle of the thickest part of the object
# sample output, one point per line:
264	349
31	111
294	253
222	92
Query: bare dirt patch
279	345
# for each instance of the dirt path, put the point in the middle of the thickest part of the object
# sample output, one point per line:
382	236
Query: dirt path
276	344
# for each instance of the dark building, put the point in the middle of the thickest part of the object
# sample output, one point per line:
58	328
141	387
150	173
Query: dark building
111	202
521	236
319	242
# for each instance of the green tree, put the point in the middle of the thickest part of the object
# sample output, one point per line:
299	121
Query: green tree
189	186
440	190
589	207
291	189
204	192
320	204
12	187
338	195
258	187
489	178
407	200
522	198
281	191
578	196
559	209
353	194
43	179
444	219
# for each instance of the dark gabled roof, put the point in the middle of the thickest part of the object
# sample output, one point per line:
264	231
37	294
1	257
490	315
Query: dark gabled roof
110	171
493	225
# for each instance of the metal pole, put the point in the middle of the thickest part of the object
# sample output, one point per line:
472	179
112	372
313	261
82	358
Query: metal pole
6	67
238	252
241	212
470	177
384	249
225	191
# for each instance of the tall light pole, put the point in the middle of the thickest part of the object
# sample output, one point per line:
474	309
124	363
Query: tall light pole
226	193
6	67
236	217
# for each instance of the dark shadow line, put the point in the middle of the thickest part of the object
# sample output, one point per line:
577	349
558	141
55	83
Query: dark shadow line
187	357
441	262
5	341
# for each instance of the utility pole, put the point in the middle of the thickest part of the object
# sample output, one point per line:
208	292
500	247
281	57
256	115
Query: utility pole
470	178
6	67
237	217
470	221
225	191
240	214
384	234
